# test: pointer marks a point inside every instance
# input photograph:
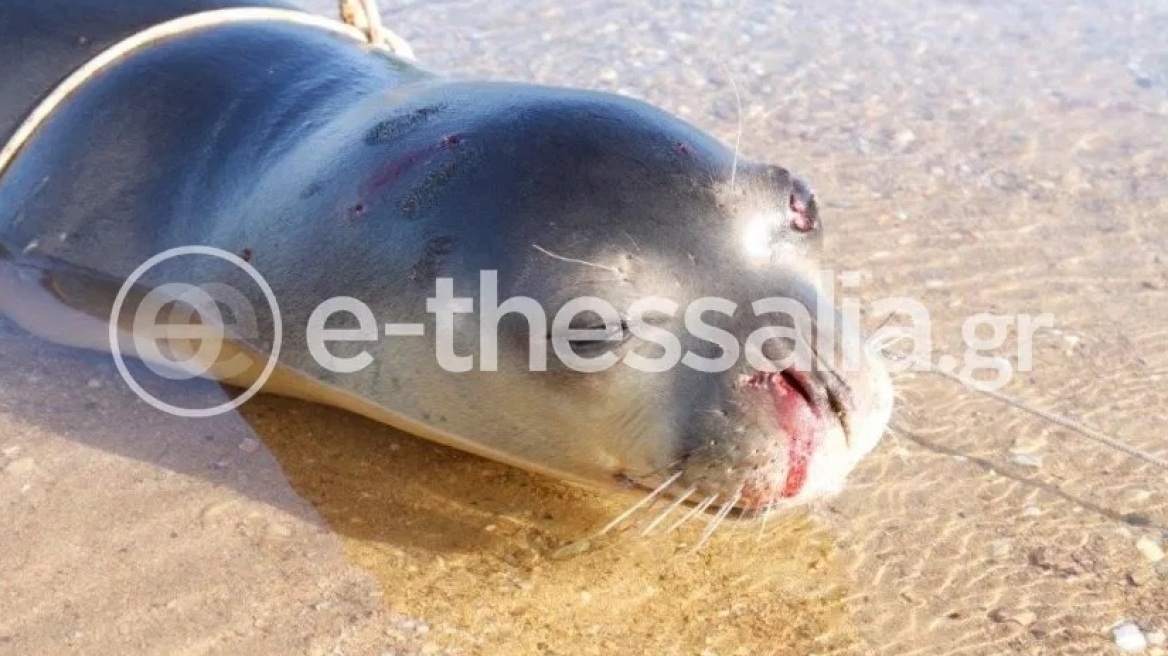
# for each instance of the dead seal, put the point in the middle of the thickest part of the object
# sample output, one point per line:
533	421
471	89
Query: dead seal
338	170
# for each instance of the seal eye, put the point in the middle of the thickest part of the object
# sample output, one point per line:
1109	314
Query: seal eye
618	334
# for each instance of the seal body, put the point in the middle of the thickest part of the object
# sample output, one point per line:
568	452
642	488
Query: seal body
338	171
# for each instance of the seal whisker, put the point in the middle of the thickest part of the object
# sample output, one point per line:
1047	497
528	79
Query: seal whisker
740	521
663	468
640	504
766	515
631	240
877	329
587	284
573	260
668	511
741	125
716	521
701	507
885	341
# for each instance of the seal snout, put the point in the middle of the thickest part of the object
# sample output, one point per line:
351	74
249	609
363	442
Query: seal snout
784	437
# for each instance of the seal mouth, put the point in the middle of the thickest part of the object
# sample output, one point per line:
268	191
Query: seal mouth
782	383
800	402
824	392
802	409
800	406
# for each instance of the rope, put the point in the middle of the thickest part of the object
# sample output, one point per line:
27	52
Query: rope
360	22
1083	430
1079	427
365	16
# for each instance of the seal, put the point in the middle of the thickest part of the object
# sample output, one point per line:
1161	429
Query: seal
340	171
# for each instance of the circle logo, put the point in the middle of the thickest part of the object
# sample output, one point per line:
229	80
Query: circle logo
194	315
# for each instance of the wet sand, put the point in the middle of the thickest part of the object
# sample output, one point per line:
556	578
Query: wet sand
975	156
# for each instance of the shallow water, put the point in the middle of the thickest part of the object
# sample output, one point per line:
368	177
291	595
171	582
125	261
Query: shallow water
976	156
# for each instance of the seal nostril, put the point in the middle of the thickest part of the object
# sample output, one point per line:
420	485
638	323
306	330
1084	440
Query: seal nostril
803	217
801	202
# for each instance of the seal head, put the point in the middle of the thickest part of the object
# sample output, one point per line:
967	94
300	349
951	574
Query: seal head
721	383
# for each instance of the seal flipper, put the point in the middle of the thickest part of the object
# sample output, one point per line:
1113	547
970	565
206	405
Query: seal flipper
72	306
46	300
84	290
